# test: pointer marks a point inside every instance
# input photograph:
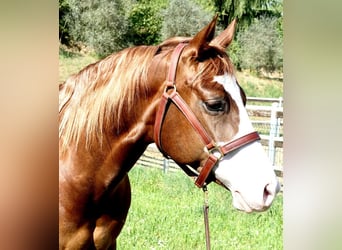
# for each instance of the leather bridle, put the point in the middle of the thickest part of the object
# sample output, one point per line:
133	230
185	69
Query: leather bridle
216	152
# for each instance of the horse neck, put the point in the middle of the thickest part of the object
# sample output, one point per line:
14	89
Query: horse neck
139	131
131	141
142	113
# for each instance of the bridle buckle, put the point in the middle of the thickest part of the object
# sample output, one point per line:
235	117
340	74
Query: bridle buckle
216	151
169	87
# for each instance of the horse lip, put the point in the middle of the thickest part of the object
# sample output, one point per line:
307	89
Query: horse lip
240	203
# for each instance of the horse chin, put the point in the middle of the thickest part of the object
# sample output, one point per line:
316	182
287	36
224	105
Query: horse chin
240	204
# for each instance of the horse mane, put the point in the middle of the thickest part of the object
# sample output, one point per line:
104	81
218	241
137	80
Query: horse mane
101	93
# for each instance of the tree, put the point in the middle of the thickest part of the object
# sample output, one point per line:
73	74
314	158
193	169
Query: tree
261	46
101	25
246	10
64	9
145	22
183	18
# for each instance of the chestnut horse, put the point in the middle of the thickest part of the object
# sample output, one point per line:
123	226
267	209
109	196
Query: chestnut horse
182	95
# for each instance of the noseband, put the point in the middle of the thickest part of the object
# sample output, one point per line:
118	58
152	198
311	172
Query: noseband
216	152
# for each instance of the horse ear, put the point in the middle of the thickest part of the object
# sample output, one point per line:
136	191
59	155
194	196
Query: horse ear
225	38
200	42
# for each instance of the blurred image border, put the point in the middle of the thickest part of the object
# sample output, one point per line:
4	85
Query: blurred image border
29	129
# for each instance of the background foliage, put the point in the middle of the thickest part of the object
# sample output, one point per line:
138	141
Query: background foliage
101	25
183	18
145	22
261	46
111	25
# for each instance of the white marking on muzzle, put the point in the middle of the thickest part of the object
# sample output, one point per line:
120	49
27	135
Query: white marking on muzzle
247	172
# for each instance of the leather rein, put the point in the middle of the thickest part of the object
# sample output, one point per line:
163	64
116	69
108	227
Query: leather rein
216	152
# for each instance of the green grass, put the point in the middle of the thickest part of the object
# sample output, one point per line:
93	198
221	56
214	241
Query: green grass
166	213
260	86
71	62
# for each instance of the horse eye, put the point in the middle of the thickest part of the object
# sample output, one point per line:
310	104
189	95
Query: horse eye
215	106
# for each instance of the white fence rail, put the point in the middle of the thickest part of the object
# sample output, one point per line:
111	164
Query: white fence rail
267	120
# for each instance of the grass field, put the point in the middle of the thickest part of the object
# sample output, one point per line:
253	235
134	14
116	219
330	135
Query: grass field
72	62
166	213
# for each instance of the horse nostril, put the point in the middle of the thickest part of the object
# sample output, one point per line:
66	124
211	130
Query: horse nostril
269	193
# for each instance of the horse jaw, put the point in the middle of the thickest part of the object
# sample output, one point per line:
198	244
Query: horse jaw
247	171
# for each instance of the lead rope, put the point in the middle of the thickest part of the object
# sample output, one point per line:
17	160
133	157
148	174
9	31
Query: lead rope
206	217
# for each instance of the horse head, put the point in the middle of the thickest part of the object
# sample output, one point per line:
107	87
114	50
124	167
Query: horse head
202	122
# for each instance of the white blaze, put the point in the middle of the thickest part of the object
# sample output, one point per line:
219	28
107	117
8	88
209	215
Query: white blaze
230	85
247	172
